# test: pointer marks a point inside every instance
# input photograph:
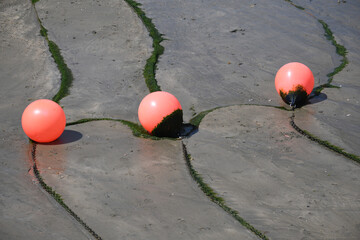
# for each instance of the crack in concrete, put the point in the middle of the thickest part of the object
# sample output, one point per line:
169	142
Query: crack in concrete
323	142
66	74
57	196
340	50
150	67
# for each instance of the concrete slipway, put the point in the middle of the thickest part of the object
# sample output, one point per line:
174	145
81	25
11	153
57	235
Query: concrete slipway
218	54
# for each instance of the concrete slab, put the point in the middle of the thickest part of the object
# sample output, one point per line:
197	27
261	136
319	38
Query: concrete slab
217	54
228	52
279	181
339	115
27	73
105	45
132	188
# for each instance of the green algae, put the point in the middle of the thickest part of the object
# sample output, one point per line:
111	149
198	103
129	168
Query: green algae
340	50
150	67
57	197
137	130
65	72
214	197
297	6
324	143
199	117
196	120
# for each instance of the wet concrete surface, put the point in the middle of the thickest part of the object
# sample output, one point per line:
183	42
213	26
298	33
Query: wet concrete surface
228	52
105	45
277	181
132	188
216	54
27	73
339	115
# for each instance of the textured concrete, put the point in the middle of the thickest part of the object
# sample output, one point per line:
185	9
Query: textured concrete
105	45
339	115
275	178
228	52
217	53
130	188
27	73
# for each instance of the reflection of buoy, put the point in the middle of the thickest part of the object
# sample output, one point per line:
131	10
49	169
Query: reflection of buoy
294	82
43	120
160	113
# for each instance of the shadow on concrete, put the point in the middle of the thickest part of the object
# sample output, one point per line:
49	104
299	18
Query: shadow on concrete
317	98
187	130
68	136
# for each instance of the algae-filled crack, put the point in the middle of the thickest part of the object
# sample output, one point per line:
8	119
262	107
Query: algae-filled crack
138	131
341	51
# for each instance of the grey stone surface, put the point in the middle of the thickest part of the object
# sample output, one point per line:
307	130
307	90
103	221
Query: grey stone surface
105	45
228	52
132	188
339	114
278	180
217	53
26	73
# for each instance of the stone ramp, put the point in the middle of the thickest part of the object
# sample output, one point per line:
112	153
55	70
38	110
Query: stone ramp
132	188
221	53
216	54
27	73
278	180
105	45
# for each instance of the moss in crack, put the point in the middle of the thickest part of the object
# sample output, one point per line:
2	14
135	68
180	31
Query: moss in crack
66	74
137	130
318	89
150	67
323	142
34	1
340	50
57	196
214	197
297	6
199	117
195	121
43	32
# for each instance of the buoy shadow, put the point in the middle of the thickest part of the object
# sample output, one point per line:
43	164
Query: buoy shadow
187	130
68	136
313	99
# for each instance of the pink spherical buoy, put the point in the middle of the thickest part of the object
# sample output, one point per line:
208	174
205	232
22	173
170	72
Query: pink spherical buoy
160	113
294	82
43	121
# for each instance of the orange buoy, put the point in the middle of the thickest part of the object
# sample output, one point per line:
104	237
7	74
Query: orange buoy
294	82
160	113
43	120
